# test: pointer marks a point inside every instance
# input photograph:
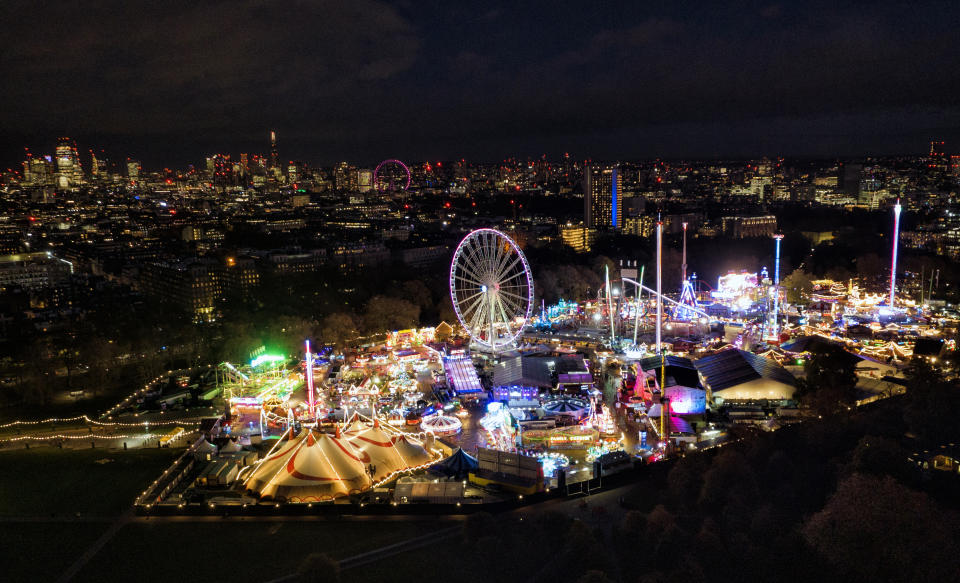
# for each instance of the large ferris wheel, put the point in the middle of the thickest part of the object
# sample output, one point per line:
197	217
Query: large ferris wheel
491	287
391	176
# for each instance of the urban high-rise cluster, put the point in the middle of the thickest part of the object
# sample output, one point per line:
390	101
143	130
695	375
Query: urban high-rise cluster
193	235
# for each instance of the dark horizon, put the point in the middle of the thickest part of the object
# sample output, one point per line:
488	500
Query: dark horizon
369	80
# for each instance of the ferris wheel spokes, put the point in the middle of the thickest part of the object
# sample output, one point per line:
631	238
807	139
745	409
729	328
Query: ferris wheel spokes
491	288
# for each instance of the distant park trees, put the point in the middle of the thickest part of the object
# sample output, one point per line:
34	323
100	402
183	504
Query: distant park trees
798	286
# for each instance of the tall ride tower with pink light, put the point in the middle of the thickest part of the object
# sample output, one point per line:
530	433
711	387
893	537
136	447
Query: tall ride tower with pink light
893	256
311	402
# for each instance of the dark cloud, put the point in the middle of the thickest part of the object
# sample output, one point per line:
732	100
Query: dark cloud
367	79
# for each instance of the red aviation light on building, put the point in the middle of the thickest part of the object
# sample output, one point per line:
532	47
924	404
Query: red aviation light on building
33	219
169	181
173	211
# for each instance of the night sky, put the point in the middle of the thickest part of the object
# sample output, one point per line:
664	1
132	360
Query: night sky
170	82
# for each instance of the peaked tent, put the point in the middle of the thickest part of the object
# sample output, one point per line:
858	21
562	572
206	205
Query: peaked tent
441	424
204	450
569	407
458	466
380	451
230	447
316	468
412	454
354	425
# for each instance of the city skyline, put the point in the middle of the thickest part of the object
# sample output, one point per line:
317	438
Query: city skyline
379	80
89	157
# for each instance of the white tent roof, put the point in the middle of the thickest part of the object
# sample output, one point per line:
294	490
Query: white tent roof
315	468
380	451
441	424
356	425
412	454
206	447
230	447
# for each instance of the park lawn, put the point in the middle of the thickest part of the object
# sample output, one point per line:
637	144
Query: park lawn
42	551
146	551
412	565
46	481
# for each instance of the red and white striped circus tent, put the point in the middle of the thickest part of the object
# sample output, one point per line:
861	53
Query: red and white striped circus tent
311	468
379	447
354	425
314	467
441	425
414	455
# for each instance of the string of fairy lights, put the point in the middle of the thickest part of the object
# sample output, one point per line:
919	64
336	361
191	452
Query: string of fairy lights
141	499
85	419
142	391
80	437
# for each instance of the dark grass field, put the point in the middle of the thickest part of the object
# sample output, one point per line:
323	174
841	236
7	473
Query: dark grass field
412	566
238	551
43	551
44	481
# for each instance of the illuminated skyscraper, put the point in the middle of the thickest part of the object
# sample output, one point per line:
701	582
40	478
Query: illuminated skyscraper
95	165
602	197
365	180
938	156
274	153
222	170
69	172
38	170
133	171
345	177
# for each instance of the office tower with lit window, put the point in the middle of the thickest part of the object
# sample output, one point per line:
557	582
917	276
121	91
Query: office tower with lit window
345	177
133	171
96	165
365	180
222	170
69	172
274	153
602	197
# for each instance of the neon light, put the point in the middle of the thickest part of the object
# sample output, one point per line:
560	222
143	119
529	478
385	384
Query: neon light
311	404
267	358
376	173
659	283
776	290
893	260
686	308
613	198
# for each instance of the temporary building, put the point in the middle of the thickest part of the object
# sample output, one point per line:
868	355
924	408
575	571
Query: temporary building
204	450
738	375
314	467
419	492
